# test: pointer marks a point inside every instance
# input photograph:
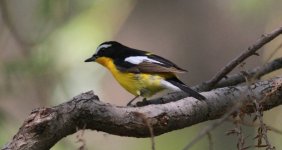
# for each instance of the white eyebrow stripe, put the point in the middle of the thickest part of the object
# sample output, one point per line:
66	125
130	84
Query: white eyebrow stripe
139	59
103	46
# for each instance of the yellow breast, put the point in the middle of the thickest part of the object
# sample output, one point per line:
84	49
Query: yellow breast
145	85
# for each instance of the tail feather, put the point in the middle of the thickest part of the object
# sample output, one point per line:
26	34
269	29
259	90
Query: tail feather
186	89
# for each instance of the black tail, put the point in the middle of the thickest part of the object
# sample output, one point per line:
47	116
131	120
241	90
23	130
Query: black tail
185	88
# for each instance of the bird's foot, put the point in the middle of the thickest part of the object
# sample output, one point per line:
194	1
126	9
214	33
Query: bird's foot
130	102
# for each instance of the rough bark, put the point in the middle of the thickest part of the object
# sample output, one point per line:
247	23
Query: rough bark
46	126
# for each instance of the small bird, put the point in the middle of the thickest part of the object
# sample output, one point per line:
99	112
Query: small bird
141	73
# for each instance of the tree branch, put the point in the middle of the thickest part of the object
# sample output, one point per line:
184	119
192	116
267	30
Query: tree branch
264	39
232	80
25	44
46	126
255	73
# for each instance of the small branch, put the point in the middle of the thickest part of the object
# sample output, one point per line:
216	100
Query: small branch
209	135
81	140
46	126
151	130
262	129
208	85
255	73
22	40
272	54
273	129
240	137
209	128
234	79
7	20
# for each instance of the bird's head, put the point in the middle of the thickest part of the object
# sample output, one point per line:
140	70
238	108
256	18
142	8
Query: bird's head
106	50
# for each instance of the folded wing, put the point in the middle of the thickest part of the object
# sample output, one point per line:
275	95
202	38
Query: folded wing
149	63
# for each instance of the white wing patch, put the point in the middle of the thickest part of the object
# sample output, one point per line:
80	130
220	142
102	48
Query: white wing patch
103	46
139	59
169	86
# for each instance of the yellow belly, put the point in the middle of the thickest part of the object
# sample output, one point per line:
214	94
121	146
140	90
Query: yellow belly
144	85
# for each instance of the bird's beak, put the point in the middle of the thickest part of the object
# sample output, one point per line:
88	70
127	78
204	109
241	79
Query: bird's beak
93	58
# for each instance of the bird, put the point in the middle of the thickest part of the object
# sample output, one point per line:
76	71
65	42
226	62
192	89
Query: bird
141	73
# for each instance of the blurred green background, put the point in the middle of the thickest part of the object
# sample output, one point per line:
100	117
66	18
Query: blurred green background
43	45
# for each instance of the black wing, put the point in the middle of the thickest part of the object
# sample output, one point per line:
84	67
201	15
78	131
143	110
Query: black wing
161	65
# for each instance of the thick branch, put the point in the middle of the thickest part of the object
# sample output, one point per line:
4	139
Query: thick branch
46	126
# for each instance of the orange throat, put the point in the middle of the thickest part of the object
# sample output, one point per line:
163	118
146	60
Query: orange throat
105	61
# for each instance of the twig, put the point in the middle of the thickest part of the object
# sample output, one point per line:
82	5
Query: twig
264	39
210	140
255	73
25	43
239	133
274	52
80	139
211	127
241	139
240	115
262	129
148	124
6	18
273	129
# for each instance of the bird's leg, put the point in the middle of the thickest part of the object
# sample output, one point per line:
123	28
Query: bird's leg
144	100
129	103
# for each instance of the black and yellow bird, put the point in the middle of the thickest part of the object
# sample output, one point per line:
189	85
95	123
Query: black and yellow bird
141	73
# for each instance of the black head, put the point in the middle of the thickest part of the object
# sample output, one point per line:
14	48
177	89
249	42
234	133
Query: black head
109	49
